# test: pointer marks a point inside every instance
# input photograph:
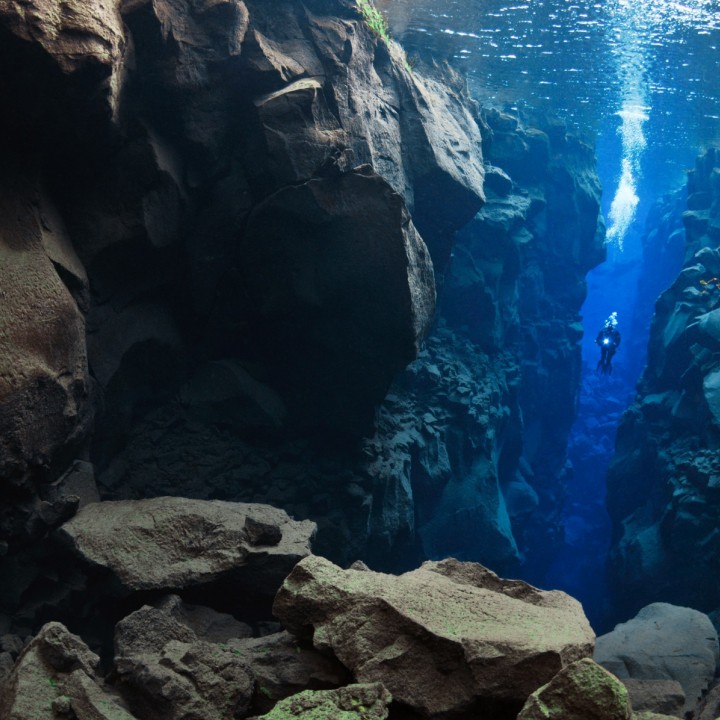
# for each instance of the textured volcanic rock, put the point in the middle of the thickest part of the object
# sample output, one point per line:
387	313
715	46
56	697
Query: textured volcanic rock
78	35
165	671
665	697
166	137
663	482
367	701
55	676
469	457
260	199
170	542
663	642
581	691
166	655
516	287
283	668
45	408
445	638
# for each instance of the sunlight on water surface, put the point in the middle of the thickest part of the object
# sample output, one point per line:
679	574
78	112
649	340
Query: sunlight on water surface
589	62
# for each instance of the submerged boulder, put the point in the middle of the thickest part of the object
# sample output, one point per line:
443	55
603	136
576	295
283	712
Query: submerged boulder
663	642
447	637
282	667
175	543
581	691
336	267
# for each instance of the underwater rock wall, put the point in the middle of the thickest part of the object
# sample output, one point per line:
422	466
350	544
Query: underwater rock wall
515	290
662	485
210	203
244	211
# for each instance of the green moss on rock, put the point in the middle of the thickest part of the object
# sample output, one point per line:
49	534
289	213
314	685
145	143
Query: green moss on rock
354	702
581	691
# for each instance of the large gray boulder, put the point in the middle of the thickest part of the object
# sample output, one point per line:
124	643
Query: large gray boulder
581	691
444	638
663	642
175	543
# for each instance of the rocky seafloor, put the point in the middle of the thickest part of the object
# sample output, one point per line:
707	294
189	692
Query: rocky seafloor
218	610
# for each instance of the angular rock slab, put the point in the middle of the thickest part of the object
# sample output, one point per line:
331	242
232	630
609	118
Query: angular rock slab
663	642
355	702
581	691
443	638
176	543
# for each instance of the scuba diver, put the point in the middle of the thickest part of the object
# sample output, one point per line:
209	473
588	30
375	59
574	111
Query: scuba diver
609	340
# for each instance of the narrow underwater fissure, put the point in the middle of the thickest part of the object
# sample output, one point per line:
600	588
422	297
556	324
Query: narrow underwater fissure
298	361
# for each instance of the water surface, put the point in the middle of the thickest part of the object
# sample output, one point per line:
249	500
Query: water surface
594	63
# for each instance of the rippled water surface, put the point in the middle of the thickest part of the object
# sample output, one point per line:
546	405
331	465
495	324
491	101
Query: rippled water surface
590	61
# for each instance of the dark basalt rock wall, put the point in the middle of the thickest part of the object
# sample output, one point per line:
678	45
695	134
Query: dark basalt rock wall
515	291
213	192
468	457
663	482
225	223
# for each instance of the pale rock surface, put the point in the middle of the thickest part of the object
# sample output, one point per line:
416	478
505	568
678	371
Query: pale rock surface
172	542
443	638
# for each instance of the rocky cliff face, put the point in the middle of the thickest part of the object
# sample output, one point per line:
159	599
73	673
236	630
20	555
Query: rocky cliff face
217	197
225	225
468	457
662	492
515	292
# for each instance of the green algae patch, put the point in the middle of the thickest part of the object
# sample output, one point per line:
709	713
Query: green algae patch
374	19
581	691
367	701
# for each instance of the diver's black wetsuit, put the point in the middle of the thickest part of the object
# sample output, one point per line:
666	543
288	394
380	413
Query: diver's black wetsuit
609	340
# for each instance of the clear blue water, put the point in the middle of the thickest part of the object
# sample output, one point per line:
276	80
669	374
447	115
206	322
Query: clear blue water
641	81
651	66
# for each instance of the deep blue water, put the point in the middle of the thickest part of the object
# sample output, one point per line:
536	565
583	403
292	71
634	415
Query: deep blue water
640	81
